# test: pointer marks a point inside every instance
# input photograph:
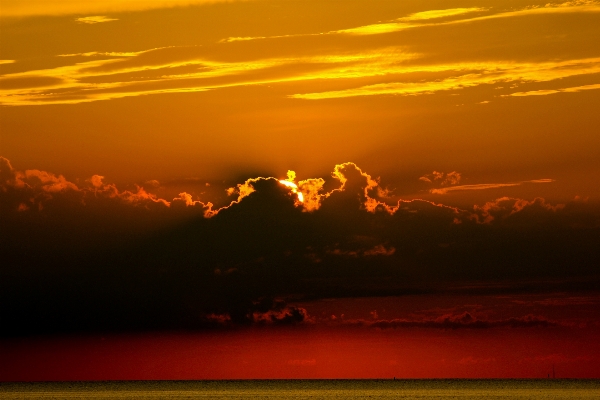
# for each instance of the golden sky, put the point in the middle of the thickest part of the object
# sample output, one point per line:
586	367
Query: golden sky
500	92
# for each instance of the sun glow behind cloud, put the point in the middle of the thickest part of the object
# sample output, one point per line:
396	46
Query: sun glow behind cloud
289	182
38	189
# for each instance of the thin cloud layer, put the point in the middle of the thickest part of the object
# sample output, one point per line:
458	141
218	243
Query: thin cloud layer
461	321
17	8
95	19
300	63
554	91
469	75
483	186
584	6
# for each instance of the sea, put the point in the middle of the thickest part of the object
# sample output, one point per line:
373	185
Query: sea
309	389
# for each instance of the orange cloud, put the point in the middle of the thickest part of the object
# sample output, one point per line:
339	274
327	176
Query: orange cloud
482	186
546	92
96	19
450	178
34	188
505	207
45	181
18	8
110	190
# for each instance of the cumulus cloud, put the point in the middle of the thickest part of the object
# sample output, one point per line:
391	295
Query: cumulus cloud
506	207
35	188
450	178
31	189
195	265
7	173
288	315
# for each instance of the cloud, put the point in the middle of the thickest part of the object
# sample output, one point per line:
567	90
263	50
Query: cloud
355	189
450	178
35	188
404	23
377	250
263	312
18	8
546	92
459	321
91	255
562	301
483	186
7	174
506	207
185	69
374	29
466	75
44	181
288	315
433	14
96	19
380	250
421	19
140	196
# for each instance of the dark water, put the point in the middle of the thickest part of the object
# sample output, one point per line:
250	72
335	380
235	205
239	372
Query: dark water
309	389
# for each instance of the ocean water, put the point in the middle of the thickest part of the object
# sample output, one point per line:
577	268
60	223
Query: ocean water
309	389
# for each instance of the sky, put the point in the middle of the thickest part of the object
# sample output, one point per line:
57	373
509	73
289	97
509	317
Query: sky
205	189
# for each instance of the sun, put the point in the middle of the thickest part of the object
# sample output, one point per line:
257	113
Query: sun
289	182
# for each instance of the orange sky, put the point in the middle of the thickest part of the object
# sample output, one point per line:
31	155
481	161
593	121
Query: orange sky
305	354
434	145
500	92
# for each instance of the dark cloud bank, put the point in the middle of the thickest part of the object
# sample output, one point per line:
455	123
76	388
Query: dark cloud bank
89	257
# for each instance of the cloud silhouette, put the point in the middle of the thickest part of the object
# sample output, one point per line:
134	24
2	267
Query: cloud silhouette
92	256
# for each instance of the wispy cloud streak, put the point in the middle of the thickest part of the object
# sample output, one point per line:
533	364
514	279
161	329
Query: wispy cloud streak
96	19
546	92
468	75
18	8
483	186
